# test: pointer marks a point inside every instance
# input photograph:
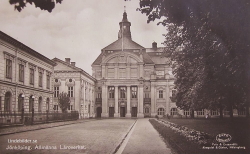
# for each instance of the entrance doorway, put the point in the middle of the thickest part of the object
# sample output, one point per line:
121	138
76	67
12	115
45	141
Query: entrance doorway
98	112
111	111
134	112
122	112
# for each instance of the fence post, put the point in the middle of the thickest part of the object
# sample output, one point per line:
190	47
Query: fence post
32	116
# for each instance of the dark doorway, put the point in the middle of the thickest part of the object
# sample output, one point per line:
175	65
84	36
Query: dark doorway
111	111
98	112
134	112
122	112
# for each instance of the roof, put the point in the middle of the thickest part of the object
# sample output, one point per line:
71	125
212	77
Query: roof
25	48
123	43
74	67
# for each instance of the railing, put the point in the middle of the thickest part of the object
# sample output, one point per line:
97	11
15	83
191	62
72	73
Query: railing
29	118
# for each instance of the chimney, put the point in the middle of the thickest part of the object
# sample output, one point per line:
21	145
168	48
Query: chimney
73	63
67	60
154	45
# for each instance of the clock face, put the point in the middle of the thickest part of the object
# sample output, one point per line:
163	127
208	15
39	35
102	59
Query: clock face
124	27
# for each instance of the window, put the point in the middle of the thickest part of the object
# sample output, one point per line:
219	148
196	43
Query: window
8	68
173	111
31	103
7	102
21	72
56	91
200	112
122	92
31	76
47	104
55	107
187	112
111	92
40	104
173	93
20	103
99	95
70	92
70	107
40	79
160	93
122	72
160	111
48	81
134	92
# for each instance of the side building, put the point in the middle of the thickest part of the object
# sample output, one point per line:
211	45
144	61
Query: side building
79	85
25	80
132	81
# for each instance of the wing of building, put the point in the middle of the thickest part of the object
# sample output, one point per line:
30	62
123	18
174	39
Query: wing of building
132	81
25	80
78	84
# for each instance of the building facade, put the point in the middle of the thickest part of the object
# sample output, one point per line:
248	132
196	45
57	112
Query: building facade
25	78
79	86
132	81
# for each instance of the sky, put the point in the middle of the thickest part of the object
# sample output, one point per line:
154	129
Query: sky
77	29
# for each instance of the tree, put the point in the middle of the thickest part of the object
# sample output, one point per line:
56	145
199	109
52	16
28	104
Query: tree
63	101
47	5
213	66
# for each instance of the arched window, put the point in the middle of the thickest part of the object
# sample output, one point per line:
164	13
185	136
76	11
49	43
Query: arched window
47	104
31	103
20	102
7	102
40	103
173	111
161	111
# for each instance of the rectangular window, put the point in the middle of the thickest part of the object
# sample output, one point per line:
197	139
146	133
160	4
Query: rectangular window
32	76
40	79
146	95
111	92
21	72
70	92
173	93
70	107
55	107
56	91
160	93
134	92
48	82
99	95
122	92
8	68
122	72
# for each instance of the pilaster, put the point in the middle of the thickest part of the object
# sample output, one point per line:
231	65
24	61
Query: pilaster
116	102
128	102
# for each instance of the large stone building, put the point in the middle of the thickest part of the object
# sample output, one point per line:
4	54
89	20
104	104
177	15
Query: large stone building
25	78
132	81
78	84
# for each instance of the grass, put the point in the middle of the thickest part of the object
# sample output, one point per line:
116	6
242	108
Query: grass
238	129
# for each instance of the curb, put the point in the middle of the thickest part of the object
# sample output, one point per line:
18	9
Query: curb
21	131
123	138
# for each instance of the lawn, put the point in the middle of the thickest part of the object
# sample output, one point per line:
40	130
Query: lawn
238	128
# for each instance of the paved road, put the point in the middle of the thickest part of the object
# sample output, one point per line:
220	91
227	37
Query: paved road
93	137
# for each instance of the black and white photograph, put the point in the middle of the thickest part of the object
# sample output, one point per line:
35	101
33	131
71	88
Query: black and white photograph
124	76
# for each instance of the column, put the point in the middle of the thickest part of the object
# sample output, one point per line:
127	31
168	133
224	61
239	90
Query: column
140	102
116	102
153	101
104	101
128	102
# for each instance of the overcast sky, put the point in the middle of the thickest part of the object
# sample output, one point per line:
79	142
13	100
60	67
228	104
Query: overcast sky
77	29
